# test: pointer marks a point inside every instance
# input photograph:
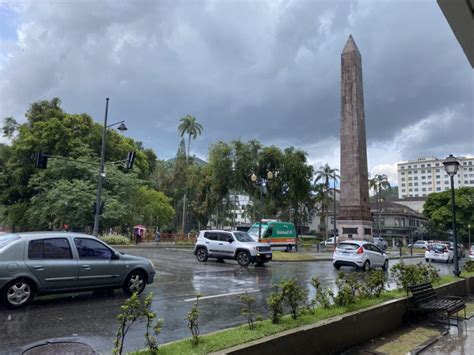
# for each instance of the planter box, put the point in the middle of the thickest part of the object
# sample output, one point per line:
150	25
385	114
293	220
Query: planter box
343	332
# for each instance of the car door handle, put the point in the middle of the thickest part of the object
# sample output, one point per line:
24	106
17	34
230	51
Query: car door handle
87	267
38	267
221	244
207	242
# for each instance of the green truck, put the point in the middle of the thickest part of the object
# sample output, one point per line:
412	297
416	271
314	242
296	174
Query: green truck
280	235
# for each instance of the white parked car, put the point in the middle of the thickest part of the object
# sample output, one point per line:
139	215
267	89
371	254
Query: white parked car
329	242
359	254
439	252
421	244
471	253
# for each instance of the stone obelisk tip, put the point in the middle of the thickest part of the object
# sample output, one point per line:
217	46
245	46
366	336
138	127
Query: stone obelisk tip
350	46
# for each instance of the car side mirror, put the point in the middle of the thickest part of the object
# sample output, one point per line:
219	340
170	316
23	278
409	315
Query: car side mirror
115	256
230	240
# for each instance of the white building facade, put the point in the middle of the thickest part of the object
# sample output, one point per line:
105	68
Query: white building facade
419	178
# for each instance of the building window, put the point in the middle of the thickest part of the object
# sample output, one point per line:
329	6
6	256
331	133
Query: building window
415	178
438	176
410	184
423	177
437	164
438	189
423	171
446	182
403	184
403	179
403	173
423	165
423	189
471	181
409	172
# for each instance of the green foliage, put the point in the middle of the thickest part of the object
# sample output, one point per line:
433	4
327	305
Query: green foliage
294	296
64	193
406	275
153	325
374	283
248	309
469	266
323	296
349	288
438	209
193	321
115	239
130	312
275	306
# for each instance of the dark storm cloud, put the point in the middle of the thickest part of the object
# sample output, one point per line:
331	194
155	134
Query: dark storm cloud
266	70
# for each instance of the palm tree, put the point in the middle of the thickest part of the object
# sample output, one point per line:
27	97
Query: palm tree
378	183
321	182
191	127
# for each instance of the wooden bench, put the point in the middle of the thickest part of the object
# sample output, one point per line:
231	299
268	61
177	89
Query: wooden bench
426	301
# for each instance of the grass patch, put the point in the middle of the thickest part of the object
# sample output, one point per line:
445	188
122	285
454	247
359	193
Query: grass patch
282	256
408	340
227	338
469	309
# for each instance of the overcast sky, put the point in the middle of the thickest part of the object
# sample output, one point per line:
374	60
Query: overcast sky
268	70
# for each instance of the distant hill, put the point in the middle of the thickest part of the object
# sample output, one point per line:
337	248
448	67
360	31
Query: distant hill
194	159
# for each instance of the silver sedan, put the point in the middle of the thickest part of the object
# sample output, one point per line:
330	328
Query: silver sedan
39	263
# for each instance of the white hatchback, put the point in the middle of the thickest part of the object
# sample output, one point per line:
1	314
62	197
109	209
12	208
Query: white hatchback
471	253
439	252
359	254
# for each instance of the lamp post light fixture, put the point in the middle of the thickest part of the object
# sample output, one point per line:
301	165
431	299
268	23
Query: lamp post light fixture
260	182
98	204
451	165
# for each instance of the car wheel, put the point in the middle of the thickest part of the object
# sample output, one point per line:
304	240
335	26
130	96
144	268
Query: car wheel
134	283
385	265
18	293
243	258
337	266
201	255
366	266
427	260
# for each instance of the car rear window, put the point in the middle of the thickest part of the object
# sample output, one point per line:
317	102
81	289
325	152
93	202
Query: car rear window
8	239
347	246
439	247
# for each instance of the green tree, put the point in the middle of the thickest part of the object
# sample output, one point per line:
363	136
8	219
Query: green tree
192	128
438	209
323	176
378	183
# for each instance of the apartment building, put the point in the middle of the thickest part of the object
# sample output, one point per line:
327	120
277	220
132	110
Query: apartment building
419	178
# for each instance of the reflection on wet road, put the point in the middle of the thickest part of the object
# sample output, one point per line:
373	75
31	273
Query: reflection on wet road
180	277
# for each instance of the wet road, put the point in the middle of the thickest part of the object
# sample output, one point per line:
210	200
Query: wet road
92	316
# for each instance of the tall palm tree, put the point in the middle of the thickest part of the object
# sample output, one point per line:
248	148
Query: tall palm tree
378	183
322	177
188	125
191	127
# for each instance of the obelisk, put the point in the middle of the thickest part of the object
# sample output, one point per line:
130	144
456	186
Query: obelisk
354	220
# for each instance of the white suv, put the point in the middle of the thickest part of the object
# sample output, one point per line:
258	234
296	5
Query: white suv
231	245
359	254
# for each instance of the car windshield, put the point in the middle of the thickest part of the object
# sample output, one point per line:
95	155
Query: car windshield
347	246
243	237
253	231
7	239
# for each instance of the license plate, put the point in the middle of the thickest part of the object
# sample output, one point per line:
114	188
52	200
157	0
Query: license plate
268	256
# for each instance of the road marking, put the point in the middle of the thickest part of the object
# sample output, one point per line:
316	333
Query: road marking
222	295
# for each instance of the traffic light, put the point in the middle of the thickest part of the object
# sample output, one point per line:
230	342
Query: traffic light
130	160
41	160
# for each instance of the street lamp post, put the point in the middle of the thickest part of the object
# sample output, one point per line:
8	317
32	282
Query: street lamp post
334	211
261	182
98	204
451	165
469	236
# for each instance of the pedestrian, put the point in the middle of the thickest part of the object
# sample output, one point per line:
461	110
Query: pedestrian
137	236
157	236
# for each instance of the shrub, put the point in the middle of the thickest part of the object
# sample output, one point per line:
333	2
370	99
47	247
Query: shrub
275	306
323	296
129	314
115	239
469	266
406	275
374	283
193	324
293	295
151	322
349	288
248	309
